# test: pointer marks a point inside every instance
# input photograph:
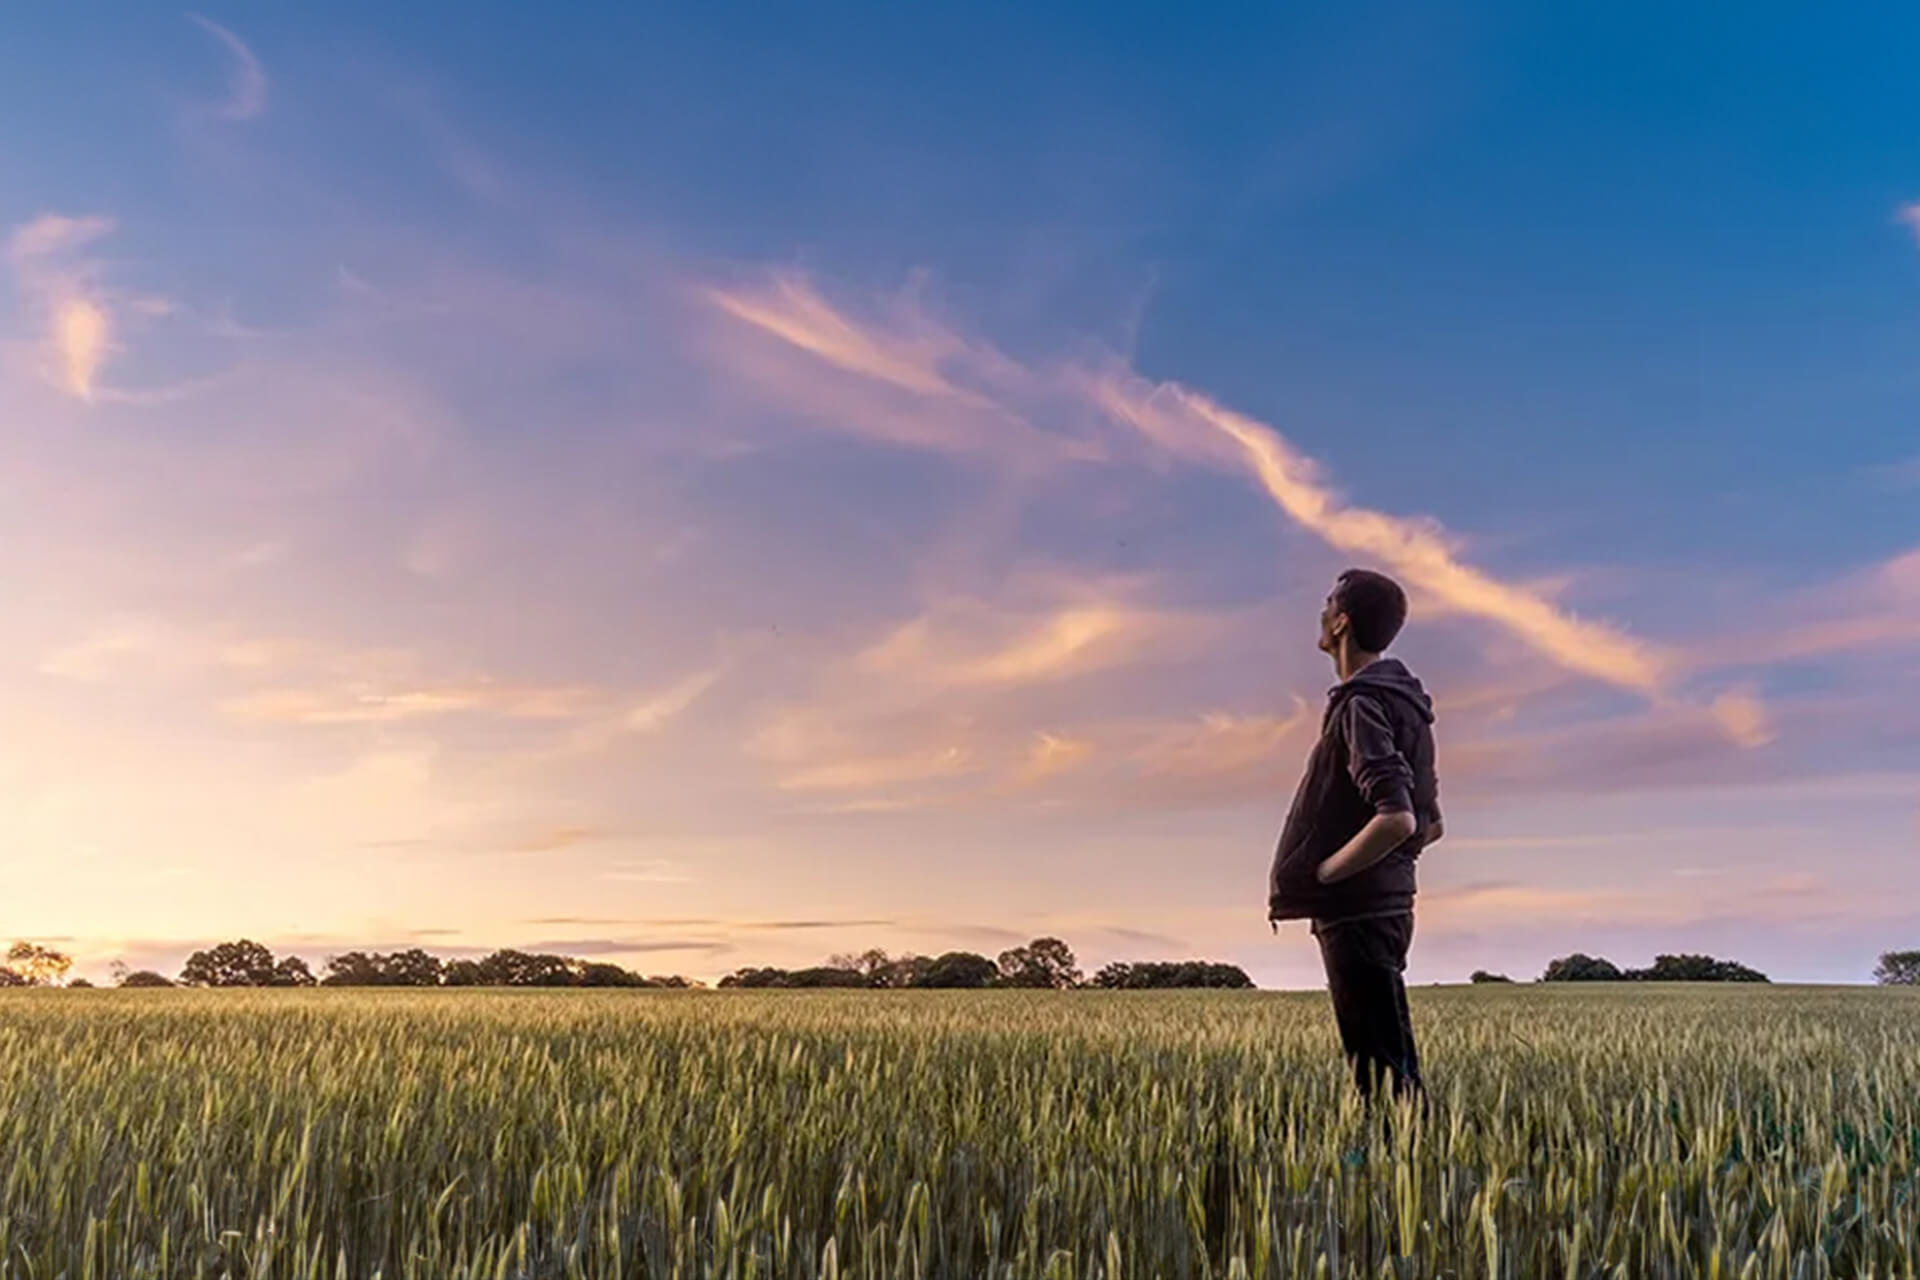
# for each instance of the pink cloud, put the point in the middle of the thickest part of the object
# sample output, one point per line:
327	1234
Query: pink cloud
79	325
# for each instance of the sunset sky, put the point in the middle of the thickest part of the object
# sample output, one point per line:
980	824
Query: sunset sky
710	488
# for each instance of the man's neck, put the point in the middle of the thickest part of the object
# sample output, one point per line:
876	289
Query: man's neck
1349	663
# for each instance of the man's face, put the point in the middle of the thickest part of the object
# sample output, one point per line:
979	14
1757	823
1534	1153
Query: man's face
1333	622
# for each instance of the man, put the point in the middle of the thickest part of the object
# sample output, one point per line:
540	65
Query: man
1370	801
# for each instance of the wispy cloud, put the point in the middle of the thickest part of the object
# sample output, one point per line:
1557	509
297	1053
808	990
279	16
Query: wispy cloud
1744	718
908	358
78	323
1053	753
554	839
1876	608
1910	216
939	392
139	645
710	922
947	705
289	681
861	773
969	643
52	235
367	704
1194	426
247	83
1220	743
95	656
648	871
1195	429
652	714
1904	474
1776	899
625	946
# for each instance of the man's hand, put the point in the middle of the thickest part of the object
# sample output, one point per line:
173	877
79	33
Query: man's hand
1384	833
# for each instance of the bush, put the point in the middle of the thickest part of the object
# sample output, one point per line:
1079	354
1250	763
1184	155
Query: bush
1155	975
1682	968
1580	967
1695	969
1898	969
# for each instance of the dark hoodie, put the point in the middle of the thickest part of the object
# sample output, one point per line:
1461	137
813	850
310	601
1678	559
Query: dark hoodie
1375	755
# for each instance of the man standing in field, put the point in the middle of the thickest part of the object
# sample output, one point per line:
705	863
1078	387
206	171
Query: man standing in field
1370	801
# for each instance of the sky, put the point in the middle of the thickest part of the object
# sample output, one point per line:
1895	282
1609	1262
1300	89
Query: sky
698	489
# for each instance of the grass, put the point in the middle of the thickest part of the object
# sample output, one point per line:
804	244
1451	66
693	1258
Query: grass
1577	1132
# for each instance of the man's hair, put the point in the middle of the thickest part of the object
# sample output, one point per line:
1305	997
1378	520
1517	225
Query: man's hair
1375	606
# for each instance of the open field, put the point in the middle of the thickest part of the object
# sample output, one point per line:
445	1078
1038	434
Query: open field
1578	1131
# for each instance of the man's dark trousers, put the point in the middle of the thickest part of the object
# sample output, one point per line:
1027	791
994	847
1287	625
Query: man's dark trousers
1365	960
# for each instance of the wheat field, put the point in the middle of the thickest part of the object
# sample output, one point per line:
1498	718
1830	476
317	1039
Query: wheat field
1577	1131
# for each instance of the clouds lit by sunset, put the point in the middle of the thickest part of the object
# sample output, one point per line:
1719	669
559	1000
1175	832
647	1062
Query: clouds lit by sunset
839	483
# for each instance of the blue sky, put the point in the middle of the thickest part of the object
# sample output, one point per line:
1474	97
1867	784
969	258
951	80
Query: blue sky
712	490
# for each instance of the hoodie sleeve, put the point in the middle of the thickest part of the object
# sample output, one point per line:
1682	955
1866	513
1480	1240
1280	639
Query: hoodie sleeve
1374	761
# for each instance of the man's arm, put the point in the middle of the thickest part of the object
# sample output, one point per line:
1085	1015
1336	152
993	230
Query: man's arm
1386	780
1383	833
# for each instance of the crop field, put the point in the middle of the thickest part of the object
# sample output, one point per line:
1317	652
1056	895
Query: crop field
1576	1131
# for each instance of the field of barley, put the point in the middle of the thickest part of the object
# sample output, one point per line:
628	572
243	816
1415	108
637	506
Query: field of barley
1577	1131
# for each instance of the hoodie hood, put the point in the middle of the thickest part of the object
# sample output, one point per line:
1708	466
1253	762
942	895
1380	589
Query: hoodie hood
1389	675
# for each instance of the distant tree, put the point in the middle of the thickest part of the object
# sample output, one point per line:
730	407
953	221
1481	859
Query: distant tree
509	968
79	984
959	969
8	978
39	966
879	966
909	970
672	981
462	973
414	968
1898	969
352	969
1044	962
1481	975
597	974
756	977
231	964
1580	967
880	969
1113	976
826	975
291	971
145	978
873	964
1692	968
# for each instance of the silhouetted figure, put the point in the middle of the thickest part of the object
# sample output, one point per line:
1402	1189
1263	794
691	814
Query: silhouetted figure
1370	801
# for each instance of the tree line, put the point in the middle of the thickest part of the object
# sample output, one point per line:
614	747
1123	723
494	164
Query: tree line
1044	963
246	963
1580	967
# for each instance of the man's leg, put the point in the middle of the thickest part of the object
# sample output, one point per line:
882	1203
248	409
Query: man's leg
1364	961
1409	1079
